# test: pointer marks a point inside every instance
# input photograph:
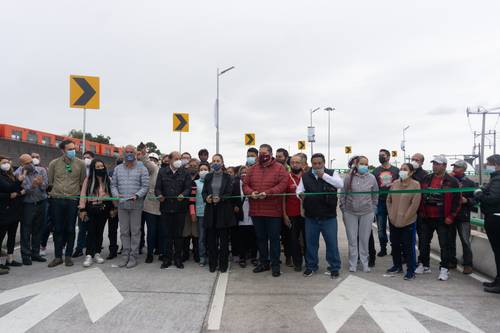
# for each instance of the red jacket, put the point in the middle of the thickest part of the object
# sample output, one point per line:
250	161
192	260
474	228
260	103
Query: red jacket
271	178
293	203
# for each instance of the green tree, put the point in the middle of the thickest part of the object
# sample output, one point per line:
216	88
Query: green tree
152	148
100	138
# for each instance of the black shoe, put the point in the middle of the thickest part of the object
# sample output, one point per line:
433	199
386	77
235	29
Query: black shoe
382	253
223	269
395	269
77	253
261	268
166	264
14	263
494	290
212	269
276	273
4	267
179	265
243	263
492	283
149	259
254	262
308	272
38	259
289	261
334	274
111	256
371	262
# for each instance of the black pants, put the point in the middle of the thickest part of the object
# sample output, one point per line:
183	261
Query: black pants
492	226
218	248
96	223
428	226
173	224
10	230
113	234
462	226
286	240
143	234
31	228
247	242
403	242
297	238
372	253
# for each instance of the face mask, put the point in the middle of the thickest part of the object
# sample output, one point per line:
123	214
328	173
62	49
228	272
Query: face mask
251	160
100	172
264	158
403	175
216	166
490	169
5	167
203	173
177	164
71	154
184	162
296	170
36	161
87	161
415	164
362	169
381	159
129	157
29	168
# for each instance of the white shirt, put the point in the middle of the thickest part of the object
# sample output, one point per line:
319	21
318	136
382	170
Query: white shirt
334	180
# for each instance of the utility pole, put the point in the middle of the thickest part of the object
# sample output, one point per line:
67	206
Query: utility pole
311	136
483	112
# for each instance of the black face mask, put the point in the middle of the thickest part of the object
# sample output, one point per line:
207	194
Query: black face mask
100	172
381	159
296	170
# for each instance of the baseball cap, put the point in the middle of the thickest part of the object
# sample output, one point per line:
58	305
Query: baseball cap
439	159
460	164
154	155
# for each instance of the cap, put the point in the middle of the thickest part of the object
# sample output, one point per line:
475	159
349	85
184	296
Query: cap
154	155
460	164
439	159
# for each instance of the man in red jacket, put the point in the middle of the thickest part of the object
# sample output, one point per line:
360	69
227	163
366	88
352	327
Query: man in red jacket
263	181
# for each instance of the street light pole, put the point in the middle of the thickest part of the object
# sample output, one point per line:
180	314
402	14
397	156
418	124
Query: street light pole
312	135
329	110
217	133
403	143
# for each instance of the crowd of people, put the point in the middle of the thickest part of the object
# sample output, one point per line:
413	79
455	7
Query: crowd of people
186	208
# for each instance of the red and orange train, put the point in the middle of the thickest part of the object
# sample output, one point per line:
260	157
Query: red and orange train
16	133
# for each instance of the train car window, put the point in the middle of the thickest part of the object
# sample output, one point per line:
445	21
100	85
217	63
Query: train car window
16	135
32	137
46	140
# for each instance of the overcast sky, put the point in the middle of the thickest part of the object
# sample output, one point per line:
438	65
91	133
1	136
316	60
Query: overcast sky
382	64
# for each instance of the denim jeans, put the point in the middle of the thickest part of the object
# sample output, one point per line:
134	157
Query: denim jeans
64	213
31	228
328	228
463	229
153	230
267	230
382	222
202	239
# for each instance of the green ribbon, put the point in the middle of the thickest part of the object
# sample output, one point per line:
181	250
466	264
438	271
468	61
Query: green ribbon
421	191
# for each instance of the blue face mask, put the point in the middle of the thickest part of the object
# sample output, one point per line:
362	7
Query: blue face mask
71	154
216	166
251	160
129	157
362	169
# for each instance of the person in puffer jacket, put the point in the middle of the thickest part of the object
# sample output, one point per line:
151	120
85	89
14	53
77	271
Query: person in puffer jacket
263	181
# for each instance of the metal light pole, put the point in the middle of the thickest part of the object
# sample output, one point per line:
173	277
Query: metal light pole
219	73
311	135
329	110
403	143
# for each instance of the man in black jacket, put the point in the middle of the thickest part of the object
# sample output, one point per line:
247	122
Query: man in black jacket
489	198
462	221
173	185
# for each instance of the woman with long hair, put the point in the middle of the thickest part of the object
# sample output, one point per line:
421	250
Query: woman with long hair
94	206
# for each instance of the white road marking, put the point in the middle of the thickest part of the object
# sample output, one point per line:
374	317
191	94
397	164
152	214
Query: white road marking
388	307
97	292
215	315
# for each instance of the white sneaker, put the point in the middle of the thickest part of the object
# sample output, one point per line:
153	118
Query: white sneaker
98	259
421	269
443	274
43	253
88	261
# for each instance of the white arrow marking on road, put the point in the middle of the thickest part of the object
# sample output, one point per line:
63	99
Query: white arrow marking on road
97	292
388	307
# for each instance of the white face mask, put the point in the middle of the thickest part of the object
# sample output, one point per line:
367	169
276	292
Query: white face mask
87	161
36	161
184	161
403	175
5	167
177	164
415	164
490	169
203	173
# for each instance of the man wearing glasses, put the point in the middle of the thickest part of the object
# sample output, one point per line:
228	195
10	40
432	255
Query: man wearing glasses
66	176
